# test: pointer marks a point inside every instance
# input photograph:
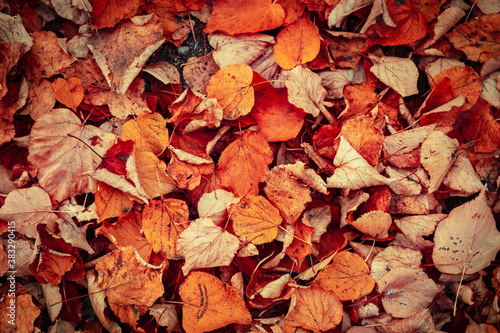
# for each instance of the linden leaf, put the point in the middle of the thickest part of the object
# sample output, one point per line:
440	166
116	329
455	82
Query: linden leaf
437	156
394	256
25	313
478	39
131	285
314	309
59	148
375	223
210	304
152	174
232	87
406	291
128	231
241	16
52	265
255	218
243	164
288	194
348	276
398	73
353	170
148	131
163	221
297	44
28	207
140	39
69	93
467	240
203	244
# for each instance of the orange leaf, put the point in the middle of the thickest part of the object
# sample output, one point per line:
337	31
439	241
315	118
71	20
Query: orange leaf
364	137
464	81
128	231
49	54
348	276
241	16
301	244
255	218
210	304
375	224
162	223
152	175
69	93
478	39
243	164
278	120
297	44
232	87
24	316
52	265
107	13
203	244
148	131
111	202
288	194
314	309
166	10
482	127
130	284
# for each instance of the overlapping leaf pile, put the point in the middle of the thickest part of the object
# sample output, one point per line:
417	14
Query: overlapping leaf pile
332	166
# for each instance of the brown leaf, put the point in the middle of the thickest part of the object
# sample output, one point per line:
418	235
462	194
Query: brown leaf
130	284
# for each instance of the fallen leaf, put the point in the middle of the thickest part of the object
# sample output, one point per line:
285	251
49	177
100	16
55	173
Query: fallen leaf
118	68
152	175
305	90
232	88
130	284
467	240
398	73
59	148
406	291
348	276
148	131
477	38
51	57
353	170
375	224
239	17
277	118
243	164
203	244
242	49
28	207
26	312
256	219
301	247
69	93
315	309
53	265
128	231
437	156
162	223
286	193
297	44
419	225
394	256
106	14
210	304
